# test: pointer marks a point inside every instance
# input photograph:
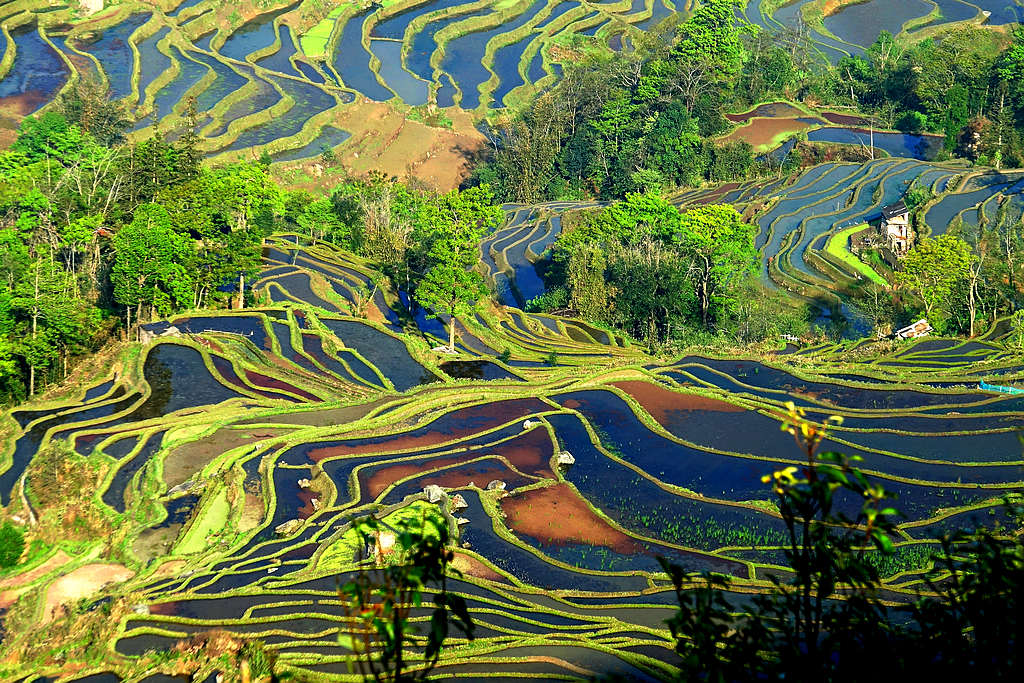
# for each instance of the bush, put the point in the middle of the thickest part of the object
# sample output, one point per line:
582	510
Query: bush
12	545
912	122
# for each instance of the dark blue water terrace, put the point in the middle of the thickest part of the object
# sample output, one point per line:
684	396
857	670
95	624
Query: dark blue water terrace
446	93
564	7
114	495
308	100
37	73
352	60
424	44
658	12
1001	11
309	71
506	65
152	62
255	35
328	138
115	54
394	27
536	71
412	90
861	23
173	94
922	147
227	81
280	61
183	6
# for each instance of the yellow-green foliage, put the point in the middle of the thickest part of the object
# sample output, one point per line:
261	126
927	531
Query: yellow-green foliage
837	247
314	41
213	518
340	554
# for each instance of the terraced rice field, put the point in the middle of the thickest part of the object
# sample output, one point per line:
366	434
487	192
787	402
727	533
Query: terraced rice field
279	80
853	26
796	217
238	447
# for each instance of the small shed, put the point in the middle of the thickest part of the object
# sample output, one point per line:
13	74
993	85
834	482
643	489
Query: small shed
895	227
919	329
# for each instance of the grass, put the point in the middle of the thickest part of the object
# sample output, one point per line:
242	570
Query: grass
314	41
214	518
837	246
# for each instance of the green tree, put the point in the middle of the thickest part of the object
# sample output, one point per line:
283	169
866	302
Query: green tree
49	136
448	288
587	282
719	248
379	601
935	272
152	263
957	115
86	104
674	146
228	211
453	227
12	544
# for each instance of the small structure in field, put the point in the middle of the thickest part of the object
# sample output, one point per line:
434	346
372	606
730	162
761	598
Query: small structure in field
895	227
919	329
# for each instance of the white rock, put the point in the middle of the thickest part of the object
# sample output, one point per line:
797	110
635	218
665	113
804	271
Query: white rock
91	6
461	520
434	493
528	425
566	458
305	483
458	502
288	528
496	485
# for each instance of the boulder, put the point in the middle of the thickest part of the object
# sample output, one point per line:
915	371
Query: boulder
181	488
288	528
565	458
305	483
383	544
496	485
461	520
315	502
458	502
529	425
434	493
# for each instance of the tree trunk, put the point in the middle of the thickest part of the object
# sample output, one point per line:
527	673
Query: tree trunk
451	334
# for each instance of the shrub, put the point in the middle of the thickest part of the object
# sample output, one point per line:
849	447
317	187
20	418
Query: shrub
12	544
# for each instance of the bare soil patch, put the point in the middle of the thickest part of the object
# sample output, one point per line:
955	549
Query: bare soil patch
557	514
471	566
762	132
322	418
185	460
82	583
664	405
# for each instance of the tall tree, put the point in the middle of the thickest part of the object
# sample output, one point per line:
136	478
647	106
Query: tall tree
934	272
456	223
719	247
153	263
